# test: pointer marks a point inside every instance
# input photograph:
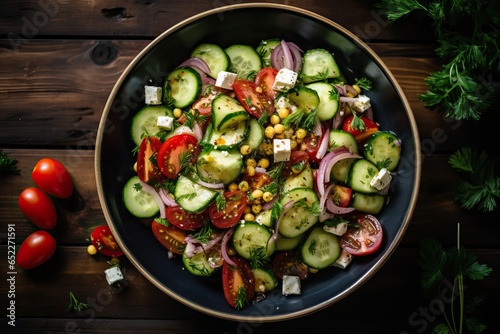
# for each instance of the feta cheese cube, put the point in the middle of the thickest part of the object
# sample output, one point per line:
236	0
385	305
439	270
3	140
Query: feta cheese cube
113	275
281	149
225	80
338	229
382	179
285	80
343	260
291	285
152	95
361	104
165	122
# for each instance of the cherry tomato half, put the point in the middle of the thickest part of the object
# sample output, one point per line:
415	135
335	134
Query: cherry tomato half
171	237
235	279
38	208
105	242
52	177
265	80
341	195
35	250
173	153
370	127
365	239
184	220
236	201
147	167
256	103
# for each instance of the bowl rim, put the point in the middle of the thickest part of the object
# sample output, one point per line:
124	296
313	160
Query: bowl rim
274	318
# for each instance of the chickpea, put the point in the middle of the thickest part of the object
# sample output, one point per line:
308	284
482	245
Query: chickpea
245	150
267	196
256	208
91	250
249	217
279	128
177	112
264	163
257	193
301	133
251	162
233	186
356	88
283	113
275	119
250	170
269	132
243	186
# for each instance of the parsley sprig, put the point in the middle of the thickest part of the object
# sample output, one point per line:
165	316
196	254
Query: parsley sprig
480	187
467	33
75	304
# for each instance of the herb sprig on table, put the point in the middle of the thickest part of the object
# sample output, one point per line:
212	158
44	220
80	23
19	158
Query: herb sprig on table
468	34
8	164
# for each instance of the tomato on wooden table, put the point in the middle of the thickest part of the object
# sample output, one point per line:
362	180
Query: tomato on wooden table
365	239
35	250
171	237
174	152
255	103
147	166
362	132
104	241
184	220
265	80
52	177
38	208
230	215
238	282
289	263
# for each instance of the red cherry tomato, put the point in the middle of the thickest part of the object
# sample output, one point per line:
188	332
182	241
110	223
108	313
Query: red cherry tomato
364	239
147	168
105	242
265	80
236	201
38	208
370	127
256	103
236	279
298	161
289	263
52	177
184	220
173	153
311	147
341	195
35	250
170	237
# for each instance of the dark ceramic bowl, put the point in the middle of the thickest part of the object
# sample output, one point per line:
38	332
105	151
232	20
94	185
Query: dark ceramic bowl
250	24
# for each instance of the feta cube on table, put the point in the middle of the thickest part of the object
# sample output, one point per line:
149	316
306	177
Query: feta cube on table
225	80
281	149
152	95
113	275
285	80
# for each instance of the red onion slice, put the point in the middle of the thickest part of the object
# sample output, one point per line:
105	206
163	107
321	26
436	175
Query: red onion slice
339	210
210	185
337	157
201	247
223	246
152	191
323	146
287	56
320	180
166	198
198	63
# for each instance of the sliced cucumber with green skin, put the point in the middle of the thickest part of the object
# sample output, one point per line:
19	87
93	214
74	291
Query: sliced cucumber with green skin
226	112
244	61
340	170
255	133
251	237
361	173
369	203
284	244
214	56
146	120
230	137
219	166
139	202
198	264
383	148
182	86
265	279
305	99
318	65
304	179
192	196
328	100
339	137
320	249
299	218
265	218
265	49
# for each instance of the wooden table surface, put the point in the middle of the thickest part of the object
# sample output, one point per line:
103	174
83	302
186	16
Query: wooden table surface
58	62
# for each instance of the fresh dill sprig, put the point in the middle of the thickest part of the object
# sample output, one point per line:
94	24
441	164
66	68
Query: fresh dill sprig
8	164
75	304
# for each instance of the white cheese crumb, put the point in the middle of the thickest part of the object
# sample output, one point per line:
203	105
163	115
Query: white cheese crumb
285	80
225	80
381	180
281	149
291	285
343	260
113	275
152	95
361	104
338	229
165	122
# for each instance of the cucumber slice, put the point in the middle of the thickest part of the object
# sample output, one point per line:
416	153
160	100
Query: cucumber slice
321	249
328	100
265	279
230	137
139	202
361	173
255	133
146	120
192	196
340	138
298	219
182	87
244	61
317	65
198	264
214	56
304	179
265	49
218	166
283	244
250	237
373	203
304	98
264	218
383	148
226	112
340	171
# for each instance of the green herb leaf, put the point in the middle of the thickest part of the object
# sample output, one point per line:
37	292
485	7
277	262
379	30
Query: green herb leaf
8	164
75	304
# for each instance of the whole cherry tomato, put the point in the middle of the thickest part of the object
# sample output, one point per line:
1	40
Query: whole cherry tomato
52	177
38	208
35	250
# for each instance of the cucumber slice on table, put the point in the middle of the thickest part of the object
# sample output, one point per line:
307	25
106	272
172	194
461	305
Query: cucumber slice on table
139	202
214	56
